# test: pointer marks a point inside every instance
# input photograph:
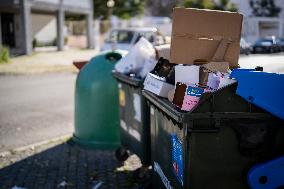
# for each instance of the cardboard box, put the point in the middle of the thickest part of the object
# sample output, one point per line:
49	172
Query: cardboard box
157	86
163	51
196	35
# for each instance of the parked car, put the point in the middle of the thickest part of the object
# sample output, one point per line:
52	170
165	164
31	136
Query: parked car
125	38
281	43
266	45
245	47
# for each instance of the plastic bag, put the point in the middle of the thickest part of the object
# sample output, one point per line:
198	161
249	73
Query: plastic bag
140	59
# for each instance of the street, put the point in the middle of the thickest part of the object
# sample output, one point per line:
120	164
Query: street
269	62
40	107
35	108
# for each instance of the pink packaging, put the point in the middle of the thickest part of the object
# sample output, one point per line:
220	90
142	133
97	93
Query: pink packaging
191	98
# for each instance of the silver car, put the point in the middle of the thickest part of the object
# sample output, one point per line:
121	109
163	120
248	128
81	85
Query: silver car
125	38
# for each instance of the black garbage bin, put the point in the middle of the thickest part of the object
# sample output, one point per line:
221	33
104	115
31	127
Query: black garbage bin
134	122
214	145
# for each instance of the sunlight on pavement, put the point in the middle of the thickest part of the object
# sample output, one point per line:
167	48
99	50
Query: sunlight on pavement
269	62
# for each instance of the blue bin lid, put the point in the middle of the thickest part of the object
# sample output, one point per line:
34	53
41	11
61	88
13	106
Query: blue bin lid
263	89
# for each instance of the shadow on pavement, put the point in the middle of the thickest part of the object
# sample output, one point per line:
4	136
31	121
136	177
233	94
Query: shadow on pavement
69	166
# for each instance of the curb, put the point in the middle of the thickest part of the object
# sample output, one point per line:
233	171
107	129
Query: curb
34	145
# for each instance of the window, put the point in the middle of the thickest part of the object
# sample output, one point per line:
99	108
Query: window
121	36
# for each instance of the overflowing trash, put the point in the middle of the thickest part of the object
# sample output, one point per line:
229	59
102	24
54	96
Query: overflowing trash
170	71
189	81
205	112
165	78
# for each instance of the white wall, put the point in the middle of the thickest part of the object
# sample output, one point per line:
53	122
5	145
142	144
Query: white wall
268	29
43	27
252	29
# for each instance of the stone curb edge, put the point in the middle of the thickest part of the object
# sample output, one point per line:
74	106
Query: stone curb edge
34	145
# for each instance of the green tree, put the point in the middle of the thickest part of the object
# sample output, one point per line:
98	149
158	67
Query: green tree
264	8
124	9
224	5
200	4
162	7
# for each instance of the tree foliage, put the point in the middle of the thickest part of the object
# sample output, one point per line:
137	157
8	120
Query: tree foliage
162	7
224	5
124	9
4	55
264	8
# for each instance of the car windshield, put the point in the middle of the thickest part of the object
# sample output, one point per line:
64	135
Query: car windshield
148	35
122	36
261	41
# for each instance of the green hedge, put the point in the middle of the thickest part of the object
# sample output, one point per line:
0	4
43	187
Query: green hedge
4	55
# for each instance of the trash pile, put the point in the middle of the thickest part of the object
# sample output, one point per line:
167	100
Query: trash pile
199	59
211	130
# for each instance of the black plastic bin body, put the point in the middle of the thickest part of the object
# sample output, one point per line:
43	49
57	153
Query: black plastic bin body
218	142
134	117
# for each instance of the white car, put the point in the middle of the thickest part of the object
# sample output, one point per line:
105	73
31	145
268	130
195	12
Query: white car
125	38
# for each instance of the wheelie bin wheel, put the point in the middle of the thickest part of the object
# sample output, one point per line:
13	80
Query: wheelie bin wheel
121	154
142	175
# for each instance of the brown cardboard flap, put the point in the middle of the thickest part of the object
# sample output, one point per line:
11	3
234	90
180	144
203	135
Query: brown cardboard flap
221	50
196	34
216	67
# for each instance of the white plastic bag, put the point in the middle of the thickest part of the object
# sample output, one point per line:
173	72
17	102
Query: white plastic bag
148	66
138	60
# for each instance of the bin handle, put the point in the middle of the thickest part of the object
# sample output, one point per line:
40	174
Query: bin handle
214	128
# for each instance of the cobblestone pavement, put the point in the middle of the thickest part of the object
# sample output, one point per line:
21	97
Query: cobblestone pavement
63	165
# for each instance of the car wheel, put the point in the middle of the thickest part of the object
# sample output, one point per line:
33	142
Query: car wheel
247	52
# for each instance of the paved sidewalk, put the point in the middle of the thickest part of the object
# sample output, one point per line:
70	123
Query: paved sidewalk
63	165
46	62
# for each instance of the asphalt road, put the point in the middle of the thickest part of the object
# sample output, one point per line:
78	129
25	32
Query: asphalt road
34	108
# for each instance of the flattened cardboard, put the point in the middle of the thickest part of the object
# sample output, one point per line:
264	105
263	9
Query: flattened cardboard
196	34
216	67
221	50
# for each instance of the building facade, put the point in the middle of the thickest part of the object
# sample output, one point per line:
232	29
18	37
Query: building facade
21	21
259	27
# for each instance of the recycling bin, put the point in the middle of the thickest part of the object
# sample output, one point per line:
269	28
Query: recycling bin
134	121
212	146
96	103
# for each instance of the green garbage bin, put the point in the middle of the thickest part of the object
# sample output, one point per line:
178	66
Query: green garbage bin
214	145
96	103
134	122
